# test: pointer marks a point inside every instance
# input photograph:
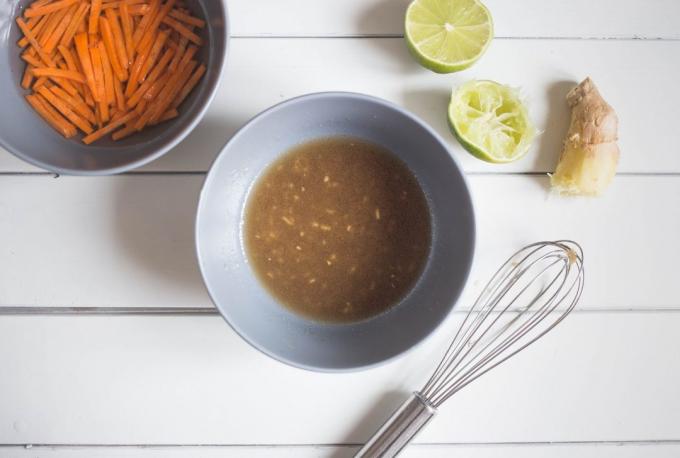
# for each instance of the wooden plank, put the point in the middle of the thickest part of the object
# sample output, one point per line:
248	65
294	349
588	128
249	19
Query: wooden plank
524	18
637	77
128	241
600	376
414	451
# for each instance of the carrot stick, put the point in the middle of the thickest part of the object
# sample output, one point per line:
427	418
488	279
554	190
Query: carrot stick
72	64
68	58
53	118
110	98
136	69
153	76
183	30
144	23
167	94
98	72
35	29
153	26
183	42
127	33
55	20
59	30
187	18
153	56
32	60
40	82
188	87
82	48
58	73
28	77
107	35
139	10
124	132
95	11
72	28
50	8
109	128
118	39
172	113
34	42
121	104
76	104
65	110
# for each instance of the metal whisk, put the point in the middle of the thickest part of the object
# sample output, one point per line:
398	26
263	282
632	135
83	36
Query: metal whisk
530	294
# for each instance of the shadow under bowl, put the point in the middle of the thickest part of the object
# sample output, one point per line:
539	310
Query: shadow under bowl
26	135
250	309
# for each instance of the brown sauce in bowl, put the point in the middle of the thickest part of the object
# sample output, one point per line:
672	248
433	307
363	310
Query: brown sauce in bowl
338	229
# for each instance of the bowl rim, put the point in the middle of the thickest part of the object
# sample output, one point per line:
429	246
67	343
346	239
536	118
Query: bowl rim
282	105
179	137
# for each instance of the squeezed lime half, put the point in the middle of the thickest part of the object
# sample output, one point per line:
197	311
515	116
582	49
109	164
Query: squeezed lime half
448	35
490	121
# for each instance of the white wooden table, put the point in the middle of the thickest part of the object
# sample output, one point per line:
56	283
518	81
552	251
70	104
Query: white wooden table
110	347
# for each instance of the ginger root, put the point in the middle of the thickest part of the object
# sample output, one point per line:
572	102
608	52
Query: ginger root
590	154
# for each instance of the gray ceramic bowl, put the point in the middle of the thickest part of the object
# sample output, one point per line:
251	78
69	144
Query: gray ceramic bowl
253	312
25	134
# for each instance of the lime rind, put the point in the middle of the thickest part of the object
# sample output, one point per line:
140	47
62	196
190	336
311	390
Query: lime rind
447	36
491	121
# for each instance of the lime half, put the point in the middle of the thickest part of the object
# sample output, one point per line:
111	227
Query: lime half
448	35
490	121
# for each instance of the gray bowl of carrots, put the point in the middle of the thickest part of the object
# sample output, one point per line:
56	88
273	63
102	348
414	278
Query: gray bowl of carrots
97	87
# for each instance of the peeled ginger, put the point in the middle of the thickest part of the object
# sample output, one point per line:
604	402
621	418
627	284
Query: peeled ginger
590	154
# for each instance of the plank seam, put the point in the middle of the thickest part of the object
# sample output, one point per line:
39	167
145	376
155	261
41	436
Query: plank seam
634	442
389	36
183	311
202	173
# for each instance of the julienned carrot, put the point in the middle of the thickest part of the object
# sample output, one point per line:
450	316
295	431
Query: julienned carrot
139	10
34	42
136	69
95	11
107	36
121	104
118	40
58	122
189	86
55	19
124	132
36	29
61	27
145	22
113	125
40	82
77	105
110	98
98	72
49	8
153	56
65	110
177	14
28	77
183	30
167	116
58	73
31	59
78	78
72	28
167	95
68	57
153	76
152	30
126	22
82	48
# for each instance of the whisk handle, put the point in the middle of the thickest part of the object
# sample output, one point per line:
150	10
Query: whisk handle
399	429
